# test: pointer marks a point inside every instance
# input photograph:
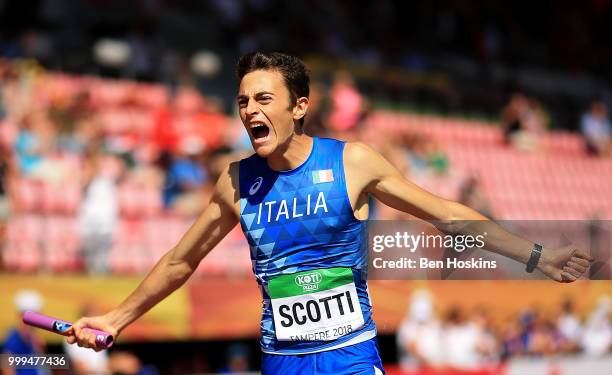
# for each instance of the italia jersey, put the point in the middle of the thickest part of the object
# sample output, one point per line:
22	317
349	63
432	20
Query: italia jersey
308	252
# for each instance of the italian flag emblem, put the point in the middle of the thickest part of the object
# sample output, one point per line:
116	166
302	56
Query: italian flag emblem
322	175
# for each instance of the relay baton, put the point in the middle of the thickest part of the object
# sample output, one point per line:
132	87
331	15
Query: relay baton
61	327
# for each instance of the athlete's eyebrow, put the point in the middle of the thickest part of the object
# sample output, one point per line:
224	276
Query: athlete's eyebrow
258	94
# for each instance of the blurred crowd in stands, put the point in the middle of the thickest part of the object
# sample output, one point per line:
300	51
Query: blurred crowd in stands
102	150
95	156
524	120
92	148
472	340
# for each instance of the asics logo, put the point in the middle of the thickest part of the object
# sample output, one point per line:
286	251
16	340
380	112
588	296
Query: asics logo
256	185
61	326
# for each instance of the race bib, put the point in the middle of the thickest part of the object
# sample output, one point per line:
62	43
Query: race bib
315	305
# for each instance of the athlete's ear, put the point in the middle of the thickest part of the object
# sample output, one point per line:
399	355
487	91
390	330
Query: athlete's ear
300	108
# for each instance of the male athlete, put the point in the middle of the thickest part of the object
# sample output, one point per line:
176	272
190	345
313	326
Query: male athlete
302	203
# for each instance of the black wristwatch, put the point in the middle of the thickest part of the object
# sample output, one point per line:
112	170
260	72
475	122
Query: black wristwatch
532	263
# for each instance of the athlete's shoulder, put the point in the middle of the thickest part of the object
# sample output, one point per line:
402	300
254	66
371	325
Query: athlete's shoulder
253	158
358	153
228	179
227	190
364	163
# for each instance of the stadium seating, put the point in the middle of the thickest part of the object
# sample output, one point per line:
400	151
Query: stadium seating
560	181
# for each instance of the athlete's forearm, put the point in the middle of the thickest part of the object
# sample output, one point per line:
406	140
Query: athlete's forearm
496	239
500	241
167	276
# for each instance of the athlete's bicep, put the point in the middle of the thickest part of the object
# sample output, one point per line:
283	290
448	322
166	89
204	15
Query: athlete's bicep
215	222
380	178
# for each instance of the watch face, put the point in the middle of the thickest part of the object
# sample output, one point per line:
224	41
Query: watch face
534	258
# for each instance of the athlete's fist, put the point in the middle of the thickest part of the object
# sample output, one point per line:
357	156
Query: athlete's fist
83	336
565	264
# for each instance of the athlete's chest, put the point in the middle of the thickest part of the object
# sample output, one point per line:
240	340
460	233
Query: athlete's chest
316	193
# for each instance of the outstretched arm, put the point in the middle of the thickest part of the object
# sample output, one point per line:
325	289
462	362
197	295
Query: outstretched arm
175	267
371	173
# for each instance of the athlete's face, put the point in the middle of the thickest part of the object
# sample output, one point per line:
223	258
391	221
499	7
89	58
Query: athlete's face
266	110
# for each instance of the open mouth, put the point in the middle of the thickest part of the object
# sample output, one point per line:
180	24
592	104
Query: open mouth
260	131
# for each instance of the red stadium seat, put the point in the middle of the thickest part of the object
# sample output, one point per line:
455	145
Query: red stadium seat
139	201
62	244
27	194
128	253
24	237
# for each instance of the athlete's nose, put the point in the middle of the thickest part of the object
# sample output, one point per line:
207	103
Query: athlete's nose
252	108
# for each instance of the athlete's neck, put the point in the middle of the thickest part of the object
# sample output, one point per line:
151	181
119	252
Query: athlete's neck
291	155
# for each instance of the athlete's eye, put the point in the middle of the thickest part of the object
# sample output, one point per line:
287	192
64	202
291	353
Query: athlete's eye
265	99
242	103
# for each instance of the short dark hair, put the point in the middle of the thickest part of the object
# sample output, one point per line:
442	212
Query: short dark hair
292	69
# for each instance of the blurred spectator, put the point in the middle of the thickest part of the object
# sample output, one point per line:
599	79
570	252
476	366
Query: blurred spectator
5	205
539	336
22	339
528	320
544	339
597	333
28	146
5	172
424	154
163	134
569	326
419	158
523	121
419	337
513	115
2	105
487	344
596	129
98	214
88	133
141	63
471	195
461	340
186	178
68	116
210	123
237	360
126	363
197	117
84	361
315	122
512	344
395	149
347	103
